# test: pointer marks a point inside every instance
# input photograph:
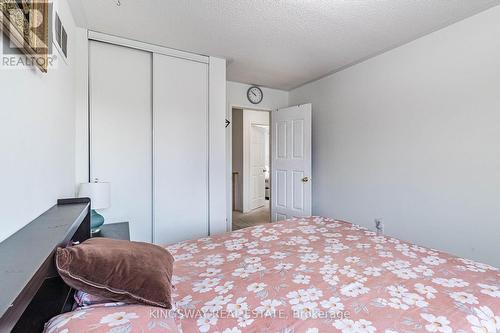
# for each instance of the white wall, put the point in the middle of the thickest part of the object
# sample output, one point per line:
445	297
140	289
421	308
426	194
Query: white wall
37	126
217	151
413	137
237	97
82	110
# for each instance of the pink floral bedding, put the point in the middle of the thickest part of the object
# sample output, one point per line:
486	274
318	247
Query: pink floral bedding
316	275
113	318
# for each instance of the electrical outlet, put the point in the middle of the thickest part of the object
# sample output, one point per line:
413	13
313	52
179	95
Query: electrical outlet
379	226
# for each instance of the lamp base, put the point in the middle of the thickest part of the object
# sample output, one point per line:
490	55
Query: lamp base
96	221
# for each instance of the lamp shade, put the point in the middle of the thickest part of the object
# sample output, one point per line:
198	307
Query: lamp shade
99	194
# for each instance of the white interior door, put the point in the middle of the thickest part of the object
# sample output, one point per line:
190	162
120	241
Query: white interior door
121	133
291	162
180	112
253	158
257	166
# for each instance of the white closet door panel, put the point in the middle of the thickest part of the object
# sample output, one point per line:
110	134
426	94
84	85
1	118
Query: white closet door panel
180	149
121	133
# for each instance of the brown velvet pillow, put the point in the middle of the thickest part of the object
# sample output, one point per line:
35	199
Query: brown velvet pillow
119	270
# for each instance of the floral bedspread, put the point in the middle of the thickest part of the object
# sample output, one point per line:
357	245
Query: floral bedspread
309	275
321	275
113	317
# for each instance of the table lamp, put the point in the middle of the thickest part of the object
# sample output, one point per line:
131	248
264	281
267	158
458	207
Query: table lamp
99	194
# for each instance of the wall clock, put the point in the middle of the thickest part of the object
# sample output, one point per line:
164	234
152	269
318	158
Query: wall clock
255	95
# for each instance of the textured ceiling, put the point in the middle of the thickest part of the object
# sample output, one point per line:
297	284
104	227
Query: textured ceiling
276	43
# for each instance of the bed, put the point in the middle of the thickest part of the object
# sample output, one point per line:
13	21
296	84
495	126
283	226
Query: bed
308	275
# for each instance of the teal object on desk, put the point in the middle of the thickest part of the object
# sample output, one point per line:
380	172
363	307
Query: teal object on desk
99	199
96	221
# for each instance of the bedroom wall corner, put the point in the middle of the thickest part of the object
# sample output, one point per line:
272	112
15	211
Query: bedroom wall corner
411	137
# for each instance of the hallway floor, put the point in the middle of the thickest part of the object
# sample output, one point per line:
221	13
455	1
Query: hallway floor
255	217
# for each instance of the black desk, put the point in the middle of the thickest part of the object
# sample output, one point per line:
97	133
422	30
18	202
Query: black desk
115	231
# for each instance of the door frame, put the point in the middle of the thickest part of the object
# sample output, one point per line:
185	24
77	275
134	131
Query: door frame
229	159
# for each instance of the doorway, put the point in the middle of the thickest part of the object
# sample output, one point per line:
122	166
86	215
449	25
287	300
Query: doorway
251	184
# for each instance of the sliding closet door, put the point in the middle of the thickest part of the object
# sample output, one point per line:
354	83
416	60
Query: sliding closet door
180	149
121	133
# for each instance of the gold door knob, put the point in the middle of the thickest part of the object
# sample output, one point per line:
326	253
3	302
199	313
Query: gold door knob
305	179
